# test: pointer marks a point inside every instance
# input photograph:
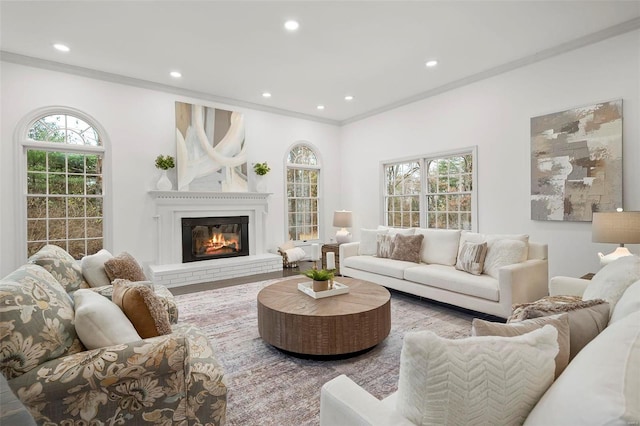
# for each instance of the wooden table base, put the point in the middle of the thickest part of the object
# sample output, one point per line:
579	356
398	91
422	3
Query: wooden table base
290	320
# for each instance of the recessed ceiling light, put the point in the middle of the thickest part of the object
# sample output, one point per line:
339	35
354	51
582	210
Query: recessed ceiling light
320	107
348	98
175	74
432	63
61	47
291	25
266	95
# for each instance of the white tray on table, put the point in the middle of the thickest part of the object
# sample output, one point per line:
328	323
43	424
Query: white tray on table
338	288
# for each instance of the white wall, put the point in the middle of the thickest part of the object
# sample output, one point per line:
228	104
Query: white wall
494	114
140	125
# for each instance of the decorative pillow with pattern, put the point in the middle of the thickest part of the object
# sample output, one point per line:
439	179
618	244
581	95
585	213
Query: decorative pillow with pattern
471	258
64	268
385	245
474	381
369	241
407	247
125	267
503	253
143	308
36	321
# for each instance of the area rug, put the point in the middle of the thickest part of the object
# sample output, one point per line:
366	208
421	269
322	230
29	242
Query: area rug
269	387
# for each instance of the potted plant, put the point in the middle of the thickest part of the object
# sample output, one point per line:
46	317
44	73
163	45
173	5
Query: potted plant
320	277
164	163
261	169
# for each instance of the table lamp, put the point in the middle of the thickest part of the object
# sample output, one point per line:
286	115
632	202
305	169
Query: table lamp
342	220
615	227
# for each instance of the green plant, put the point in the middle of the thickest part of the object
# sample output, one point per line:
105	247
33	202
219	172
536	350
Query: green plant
319	274
165	162
261	169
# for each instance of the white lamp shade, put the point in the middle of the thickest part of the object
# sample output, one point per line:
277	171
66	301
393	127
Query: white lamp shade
616	227
342	219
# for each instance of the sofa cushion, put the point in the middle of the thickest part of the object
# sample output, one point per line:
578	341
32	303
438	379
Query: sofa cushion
36	321
396	231
143	308
369	241
100	323
477	380
560	322
440	245
377	265
502	253
125	267
600	386
407	247
64	268
610	282
587	318
628	303
385	245
93	268
448	278
471	258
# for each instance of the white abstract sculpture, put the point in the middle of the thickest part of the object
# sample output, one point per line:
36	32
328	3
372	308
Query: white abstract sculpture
197	157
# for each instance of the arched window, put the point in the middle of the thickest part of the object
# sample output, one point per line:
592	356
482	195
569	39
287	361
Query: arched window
63	155
303	206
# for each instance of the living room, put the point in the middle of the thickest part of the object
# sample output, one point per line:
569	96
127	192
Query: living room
490	110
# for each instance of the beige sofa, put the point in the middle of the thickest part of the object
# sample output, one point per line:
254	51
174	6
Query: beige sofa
169	379
601	385
437	278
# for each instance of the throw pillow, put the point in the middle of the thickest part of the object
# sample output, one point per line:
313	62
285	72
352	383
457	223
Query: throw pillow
286	246
93	268
471	257
369	241
100	323
143	308
407	247
295	254
125	267
64	268
440	246
560	322
477	380
502	253
36	321
385	245
610	282
628	303
586	318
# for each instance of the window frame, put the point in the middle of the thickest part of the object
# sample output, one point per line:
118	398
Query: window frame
23	144
422	161
318	168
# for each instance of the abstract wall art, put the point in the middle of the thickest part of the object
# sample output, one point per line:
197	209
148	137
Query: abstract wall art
211	150
576	162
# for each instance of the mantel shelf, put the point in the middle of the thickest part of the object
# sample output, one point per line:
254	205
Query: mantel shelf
191	195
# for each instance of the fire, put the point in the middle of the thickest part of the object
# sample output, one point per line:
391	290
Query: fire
219	241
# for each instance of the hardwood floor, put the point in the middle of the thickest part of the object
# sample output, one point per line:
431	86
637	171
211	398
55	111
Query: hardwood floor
287	272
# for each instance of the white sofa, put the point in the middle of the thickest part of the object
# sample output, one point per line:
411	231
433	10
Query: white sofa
601	385
439	280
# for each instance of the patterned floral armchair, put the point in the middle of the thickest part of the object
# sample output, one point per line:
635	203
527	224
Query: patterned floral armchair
171	379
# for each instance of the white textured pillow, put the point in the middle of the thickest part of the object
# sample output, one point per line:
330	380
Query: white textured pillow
369	241
396	231
600	386
502	253
628	303
295	254
93	268
100	322
610	282
478	380
440	246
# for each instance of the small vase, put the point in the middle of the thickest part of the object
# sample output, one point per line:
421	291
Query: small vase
164	184
261	183
320	285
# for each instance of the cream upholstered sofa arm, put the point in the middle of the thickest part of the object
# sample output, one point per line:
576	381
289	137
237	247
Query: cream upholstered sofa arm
348	250
344	403
525	281
567	286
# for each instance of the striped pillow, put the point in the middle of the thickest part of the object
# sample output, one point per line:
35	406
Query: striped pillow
471	257
385	245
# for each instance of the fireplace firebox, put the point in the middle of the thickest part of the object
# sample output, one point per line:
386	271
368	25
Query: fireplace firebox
205	238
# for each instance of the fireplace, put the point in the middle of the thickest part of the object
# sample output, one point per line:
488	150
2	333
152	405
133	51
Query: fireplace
206	238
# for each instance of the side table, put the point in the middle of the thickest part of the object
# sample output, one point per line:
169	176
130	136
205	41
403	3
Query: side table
331	248
587	276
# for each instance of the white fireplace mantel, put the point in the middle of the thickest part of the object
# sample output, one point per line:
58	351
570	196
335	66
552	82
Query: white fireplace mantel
172	206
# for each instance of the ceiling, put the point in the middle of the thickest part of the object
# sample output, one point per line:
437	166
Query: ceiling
233	51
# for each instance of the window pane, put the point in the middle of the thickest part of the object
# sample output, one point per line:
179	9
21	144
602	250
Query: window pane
77	249
93	164
57	184
36	207
36	161
94	207
94	228
76	184
94	185
57	162
57	207
36	183
76	163
76	207
57	229
36	230
94	245
76	228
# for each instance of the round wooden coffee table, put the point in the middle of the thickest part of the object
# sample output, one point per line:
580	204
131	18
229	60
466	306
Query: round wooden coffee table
293	321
